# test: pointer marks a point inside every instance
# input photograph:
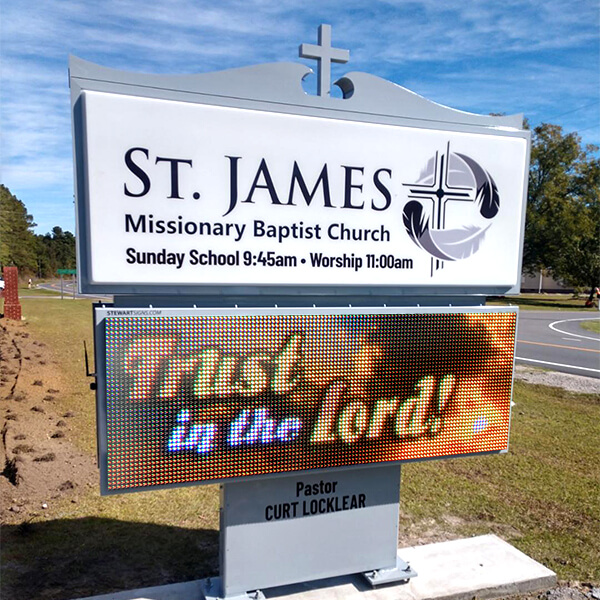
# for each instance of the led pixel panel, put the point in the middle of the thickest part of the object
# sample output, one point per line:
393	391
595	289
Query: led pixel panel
195	396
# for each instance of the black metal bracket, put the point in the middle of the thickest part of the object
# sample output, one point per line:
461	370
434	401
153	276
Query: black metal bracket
88	373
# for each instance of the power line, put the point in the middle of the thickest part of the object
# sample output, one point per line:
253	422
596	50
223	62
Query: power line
572	111
590	127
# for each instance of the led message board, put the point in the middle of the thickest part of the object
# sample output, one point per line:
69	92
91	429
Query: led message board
193	396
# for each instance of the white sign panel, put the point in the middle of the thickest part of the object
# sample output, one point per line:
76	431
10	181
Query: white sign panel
186	194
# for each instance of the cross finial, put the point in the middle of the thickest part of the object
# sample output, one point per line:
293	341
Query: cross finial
325	55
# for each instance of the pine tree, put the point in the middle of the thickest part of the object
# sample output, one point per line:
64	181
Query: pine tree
17	240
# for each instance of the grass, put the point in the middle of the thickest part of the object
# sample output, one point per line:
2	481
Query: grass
25	292
542	302
543	496
593	326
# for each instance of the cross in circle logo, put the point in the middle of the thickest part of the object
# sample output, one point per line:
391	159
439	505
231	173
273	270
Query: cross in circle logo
449	177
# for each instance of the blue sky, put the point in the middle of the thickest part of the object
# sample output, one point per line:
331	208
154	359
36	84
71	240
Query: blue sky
537	57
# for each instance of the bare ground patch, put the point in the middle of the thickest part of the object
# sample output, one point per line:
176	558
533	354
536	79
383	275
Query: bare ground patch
572	383
39	463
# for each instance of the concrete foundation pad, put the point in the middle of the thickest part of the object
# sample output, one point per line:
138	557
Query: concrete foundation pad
484	566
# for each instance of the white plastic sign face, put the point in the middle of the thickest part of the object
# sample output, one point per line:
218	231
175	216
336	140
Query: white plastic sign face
184	194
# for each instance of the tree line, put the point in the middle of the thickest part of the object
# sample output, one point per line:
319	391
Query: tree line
562	229
35	255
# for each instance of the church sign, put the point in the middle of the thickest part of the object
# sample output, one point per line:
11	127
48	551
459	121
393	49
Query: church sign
257	184
297	310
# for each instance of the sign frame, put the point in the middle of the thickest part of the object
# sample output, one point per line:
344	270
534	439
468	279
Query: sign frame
276	88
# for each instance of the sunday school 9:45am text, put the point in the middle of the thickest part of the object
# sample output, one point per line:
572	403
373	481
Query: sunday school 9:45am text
268	258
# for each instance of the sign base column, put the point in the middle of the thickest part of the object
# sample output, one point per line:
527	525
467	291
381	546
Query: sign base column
293	529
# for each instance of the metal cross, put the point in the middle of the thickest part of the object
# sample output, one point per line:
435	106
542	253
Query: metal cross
325	55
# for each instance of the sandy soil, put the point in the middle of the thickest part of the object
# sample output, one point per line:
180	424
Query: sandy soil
39	461
571	383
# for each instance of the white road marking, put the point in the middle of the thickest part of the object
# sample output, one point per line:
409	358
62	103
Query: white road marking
585	337
544	362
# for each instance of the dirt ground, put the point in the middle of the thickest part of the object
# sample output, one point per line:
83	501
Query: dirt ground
41	463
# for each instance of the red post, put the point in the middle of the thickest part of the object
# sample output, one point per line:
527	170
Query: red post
12	306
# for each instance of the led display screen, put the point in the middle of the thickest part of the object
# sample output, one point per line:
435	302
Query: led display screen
193	396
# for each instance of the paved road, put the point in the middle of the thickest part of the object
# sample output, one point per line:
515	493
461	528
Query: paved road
555	340
69	290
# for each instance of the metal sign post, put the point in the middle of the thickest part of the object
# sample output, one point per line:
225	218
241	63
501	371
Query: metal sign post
62	272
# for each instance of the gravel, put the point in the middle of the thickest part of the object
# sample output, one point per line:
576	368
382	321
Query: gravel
566	381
